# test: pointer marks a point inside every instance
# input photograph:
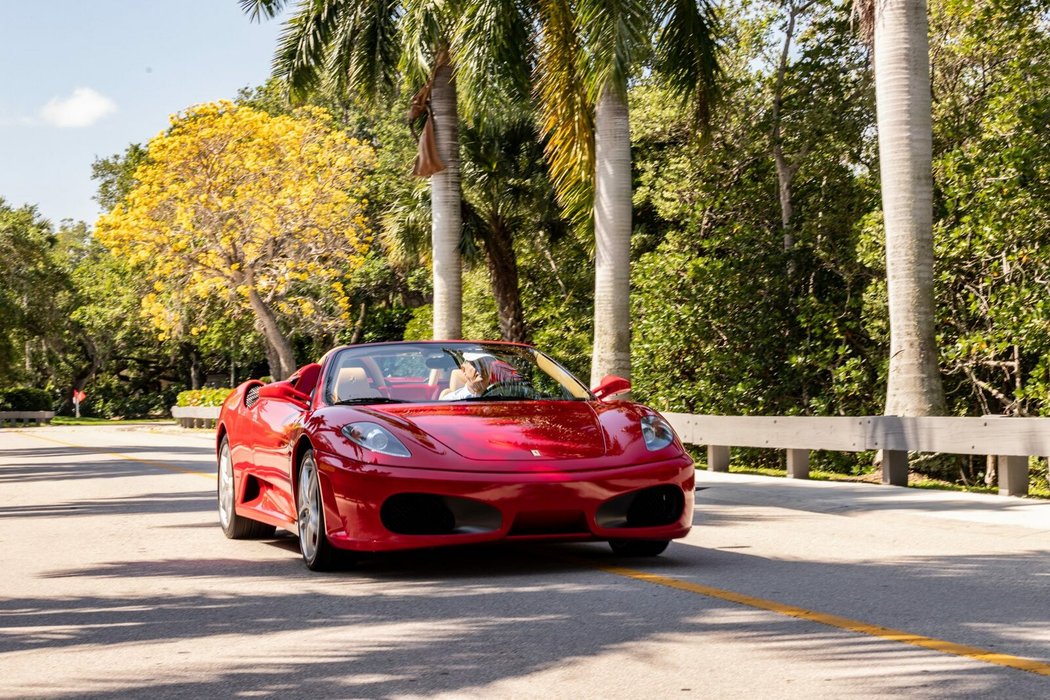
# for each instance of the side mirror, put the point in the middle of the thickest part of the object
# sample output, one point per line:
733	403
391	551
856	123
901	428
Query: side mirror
611	386
283	390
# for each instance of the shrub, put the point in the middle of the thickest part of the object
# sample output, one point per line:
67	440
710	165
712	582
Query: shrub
110	396
24	399
202	397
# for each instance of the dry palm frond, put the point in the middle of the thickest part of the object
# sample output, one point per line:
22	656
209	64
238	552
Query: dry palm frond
864	16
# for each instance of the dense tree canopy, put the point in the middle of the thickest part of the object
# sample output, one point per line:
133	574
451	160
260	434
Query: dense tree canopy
758	282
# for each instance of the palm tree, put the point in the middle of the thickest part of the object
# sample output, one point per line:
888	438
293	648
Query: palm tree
588	50
898	31
359	47
506	192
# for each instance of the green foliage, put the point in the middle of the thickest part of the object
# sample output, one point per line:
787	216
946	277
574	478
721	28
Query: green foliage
421	325
724	319
202	397
116	175
992	179
25	399
117	397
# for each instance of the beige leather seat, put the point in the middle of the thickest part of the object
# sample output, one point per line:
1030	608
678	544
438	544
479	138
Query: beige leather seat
353	384
456	381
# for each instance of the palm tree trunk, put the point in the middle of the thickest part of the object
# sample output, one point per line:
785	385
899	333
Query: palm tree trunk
446	217
612	238
503	274
903	100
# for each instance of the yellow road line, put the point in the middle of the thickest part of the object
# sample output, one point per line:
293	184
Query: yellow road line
844	623
151	463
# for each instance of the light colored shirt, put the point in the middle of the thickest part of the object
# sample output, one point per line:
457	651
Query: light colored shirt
463	392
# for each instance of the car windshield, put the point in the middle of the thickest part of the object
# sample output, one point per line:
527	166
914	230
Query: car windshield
452	371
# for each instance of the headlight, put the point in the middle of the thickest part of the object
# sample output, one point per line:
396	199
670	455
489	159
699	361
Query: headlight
376	438
657	432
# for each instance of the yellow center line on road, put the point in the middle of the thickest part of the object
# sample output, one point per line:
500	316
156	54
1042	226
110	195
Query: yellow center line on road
844	623
95	450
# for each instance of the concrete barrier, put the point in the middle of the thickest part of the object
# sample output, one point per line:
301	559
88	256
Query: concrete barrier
196	416
25	417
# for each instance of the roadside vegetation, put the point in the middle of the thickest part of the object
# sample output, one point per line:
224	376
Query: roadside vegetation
756	254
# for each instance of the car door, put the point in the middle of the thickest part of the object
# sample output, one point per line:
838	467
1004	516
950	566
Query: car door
277	420
280	416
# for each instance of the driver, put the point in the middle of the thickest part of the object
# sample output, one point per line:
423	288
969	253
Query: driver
477	370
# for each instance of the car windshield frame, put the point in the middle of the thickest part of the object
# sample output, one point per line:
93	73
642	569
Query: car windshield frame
420	372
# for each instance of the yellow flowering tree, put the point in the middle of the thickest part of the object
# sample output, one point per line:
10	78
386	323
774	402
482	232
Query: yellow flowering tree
262	214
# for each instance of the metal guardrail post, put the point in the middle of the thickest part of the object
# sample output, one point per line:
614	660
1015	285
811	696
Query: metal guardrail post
895	467
1013	475
798	464
717	458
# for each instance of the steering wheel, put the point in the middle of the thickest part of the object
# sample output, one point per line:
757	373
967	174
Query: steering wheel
519	389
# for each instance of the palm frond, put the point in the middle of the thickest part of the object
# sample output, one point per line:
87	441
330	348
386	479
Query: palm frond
864	15
259	9
687	54
364	52
303	45
615	33
405	234
566	111
422	29
491	52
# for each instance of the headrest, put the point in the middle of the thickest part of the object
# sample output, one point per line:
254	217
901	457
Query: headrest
353	384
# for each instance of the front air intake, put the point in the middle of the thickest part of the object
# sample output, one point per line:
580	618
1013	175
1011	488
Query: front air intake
652	507
431	514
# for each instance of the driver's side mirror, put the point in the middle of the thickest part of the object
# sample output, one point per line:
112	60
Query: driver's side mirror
611	386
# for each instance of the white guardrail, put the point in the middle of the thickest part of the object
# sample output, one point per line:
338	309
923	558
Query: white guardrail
196	416
25	417
1010	440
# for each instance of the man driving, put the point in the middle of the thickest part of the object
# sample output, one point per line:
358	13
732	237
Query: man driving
476	368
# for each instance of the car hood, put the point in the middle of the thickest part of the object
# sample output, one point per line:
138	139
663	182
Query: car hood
514	430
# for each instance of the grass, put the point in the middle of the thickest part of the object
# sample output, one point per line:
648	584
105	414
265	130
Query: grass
70	420
1037	487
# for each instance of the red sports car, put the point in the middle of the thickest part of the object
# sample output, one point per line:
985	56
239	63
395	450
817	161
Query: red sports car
422	444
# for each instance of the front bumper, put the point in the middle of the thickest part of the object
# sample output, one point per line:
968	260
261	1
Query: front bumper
487	506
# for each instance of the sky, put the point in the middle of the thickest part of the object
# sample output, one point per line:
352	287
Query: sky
83	79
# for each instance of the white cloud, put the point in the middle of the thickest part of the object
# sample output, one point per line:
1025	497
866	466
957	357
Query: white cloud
83	108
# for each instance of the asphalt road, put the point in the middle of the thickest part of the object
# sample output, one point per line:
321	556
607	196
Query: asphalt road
116	581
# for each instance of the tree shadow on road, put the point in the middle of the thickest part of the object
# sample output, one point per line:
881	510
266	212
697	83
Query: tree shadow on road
456	620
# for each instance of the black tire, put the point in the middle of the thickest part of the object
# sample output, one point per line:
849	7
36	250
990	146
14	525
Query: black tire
638	548
318	553
234	526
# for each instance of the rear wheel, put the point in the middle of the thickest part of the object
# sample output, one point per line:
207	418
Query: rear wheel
235	527
317	551
638	548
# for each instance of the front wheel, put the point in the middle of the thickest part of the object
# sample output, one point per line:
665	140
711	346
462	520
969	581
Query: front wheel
317	551
235	526
638	548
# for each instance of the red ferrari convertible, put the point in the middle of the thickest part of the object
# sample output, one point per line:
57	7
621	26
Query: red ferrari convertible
424	444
